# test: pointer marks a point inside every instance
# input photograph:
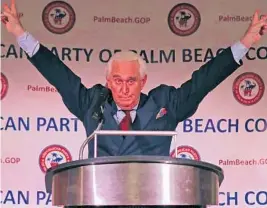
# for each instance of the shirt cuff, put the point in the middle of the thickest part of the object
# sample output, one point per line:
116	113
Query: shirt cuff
28	43
239	51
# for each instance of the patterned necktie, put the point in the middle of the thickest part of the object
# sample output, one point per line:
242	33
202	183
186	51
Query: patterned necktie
126	121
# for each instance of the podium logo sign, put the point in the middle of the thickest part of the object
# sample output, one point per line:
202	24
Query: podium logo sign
186	152
248	88
52	156
4	85
184	19
58	17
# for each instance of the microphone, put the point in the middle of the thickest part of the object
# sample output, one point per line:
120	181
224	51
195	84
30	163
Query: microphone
98	114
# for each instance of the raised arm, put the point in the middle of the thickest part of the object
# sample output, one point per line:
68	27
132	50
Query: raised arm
74	94
185	100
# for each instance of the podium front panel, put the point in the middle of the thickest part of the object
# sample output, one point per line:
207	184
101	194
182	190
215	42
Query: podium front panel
134	183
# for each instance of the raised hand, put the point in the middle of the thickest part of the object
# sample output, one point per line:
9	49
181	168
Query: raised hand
256	30
11	19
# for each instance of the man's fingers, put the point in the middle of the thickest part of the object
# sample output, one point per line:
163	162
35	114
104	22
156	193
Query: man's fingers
264	18
4	21
13	3
13	6
263	31
255	17
262	22
6	8
8	14
4	18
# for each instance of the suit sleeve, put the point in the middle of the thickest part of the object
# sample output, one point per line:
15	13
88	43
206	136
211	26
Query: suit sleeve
184	101
75	95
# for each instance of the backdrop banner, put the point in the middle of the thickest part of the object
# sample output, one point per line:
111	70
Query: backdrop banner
175	38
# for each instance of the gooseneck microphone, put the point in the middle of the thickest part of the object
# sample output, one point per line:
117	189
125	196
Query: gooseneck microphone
98	114
99	106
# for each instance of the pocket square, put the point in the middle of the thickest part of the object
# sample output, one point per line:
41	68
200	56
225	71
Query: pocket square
161	113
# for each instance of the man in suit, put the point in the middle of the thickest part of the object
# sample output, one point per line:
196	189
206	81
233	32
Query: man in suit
128	108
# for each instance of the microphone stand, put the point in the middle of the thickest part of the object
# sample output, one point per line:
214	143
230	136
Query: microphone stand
90	137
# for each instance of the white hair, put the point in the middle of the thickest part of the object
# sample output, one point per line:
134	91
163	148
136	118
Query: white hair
127	56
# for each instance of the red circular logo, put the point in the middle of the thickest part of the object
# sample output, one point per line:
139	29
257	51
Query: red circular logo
58	17
185	152
248	88
52	156
4	85
184	19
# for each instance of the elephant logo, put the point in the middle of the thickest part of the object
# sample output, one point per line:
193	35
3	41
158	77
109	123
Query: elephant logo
184	19
58	17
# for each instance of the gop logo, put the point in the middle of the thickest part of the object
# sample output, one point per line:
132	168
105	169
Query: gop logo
53	156
4	86
58	17
185	152
248	88
184	19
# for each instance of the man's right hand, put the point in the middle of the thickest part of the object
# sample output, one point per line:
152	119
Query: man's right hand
10	18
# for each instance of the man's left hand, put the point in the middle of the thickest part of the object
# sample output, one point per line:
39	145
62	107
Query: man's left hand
256	30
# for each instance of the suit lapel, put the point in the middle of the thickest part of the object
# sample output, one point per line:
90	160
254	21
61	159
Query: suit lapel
111	124
110	111
146	111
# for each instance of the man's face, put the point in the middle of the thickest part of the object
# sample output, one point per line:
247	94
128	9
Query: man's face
126	83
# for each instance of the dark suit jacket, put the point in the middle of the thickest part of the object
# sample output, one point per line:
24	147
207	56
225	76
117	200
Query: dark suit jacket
180	103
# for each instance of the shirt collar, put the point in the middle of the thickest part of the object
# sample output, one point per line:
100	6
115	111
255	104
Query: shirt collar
134	108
